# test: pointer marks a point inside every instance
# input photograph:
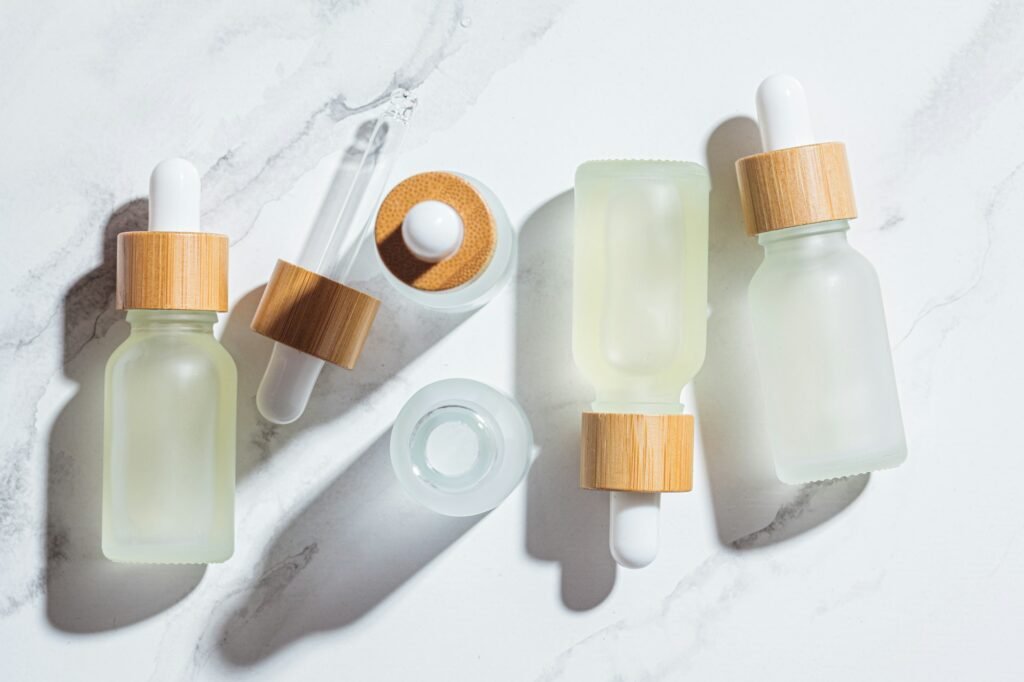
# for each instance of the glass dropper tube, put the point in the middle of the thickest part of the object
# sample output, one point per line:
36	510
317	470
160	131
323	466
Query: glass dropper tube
333	244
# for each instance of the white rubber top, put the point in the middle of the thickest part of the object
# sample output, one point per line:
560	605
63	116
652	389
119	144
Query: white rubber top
633	529
432	230
174	197
782	113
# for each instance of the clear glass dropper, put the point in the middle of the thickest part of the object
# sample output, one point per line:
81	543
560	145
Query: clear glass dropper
333	244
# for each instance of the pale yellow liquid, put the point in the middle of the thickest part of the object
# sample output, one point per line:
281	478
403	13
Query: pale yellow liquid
640	281
169	442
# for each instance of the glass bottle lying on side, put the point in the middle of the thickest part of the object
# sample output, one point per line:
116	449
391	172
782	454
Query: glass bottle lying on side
639	335
815	303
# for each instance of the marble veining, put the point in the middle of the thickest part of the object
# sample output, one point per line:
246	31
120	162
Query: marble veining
335	570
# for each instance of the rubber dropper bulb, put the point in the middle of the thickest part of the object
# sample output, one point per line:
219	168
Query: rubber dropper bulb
174	197
633	528
432	230
287	384
782	113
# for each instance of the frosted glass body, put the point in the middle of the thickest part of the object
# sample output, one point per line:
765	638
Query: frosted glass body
169	442
823	352
460	447
640	281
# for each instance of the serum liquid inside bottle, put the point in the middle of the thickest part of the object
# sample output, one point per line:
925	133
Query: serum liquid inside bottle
169	425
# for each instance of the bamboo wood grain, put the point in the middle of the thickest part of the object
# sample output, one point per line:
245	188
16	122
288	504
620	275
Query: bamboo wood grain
315	314
172	271
478	242
636	452
795	186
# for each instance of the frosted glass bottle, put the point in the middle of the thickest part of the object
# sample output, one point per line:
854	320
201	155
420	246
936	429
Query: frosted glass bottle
169	417
460	447
824	357
815	303
639	334
169	445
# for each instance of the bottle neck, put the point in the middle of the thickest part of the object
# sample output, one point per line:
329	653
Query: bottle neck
807	240
602	404
194	321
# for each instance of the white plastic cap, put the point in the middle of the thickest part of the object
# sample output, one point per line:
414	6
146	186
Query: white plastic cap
287	384
633	528
432	230
782	113
174	197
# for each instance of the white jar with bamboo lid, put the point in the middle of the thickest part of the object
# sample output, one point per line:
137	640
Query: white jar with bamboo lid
818	322
169	425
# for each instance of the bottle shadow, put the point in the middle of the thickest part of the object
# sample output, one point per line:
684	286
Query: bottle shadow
752	508
341	556
565	524
85	592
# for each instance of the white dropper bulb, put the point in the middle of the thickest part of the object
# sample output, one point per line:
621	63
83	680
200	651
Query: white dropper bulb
432	230
287	384
633	530
782	113
174	197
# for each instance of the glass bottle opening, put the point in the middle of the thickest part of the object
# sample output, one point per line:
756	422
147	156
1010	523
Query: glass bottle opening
452	448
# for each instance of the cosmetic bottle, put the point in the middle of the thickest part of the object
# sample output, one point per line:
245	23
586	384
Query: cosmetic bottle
307	309
639	334
459	447
815	303
445	241
169	425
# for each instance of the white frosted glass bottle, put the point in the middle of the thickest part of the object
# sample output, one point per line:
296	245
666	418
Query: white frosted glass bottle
169	424
169	442
639	334
816	306
460	447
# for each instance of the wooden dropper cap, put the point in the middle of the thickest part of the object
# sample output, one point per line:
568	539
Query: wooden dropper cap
315	314
172	266
448	268
640	453
797	181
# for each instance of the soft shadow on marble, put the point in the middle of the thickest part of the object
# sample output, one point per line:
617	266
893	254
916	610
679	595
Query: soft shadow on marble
85	592
348	550
752	508
565	524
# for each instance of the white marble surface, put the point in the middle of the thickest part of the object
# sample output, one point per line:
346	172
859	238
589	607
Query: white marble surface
915	574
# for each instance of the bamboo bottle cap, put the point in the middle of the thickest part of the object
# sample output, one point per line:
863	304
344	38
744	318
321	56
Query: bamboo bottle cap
795	186
172	271
472	255
636	452
315	314
797	180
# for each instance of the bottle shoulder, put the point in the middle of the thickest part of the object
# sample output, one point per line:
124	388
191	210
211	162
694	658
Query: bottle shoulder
833	267
173	352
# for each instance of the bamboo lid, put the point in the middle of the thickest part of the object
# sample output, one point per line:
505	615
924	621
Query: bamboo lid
479	239
795	186
636	452
315	314
172	271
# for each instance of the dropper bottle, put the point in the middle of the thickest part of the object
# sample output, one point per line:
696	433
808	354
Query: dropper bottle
639	334
169	425
815	302
306	308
